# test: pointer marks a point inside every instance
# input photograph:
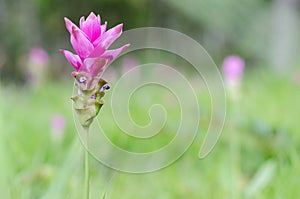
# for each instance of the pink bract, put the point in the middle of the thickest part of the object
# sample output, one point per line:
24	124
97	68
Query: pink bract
91	41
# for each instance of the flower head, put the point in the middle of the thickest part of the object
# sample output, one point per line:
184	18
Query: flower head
91	41
58	125
38	56
233	68
37	66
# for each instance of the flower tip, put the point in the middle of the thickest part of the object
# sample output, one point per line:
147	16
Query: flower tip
125	46
81	21
67	21
91	16
92	13
74	73
62	52
120	27
69	24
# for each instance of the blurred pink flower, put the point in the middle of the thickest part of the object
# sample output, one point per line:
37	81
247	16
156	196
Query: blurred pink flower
233	68
37	66
38	57
91	42
129	63
58	125
110	74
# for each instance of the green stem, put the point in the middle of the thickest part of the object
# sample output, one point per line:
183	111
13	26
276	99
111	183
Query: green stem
235	148
87	176
234	153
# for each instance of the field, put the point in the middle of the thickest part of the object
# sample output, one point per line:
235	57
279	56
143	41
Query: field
257	155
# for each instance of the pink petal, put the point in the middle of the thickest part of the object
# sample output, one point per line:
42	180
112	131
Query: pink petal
111	55
98	51
81	21
80	43
73	59
107	38
99	19
94	66
98	40
69	25
91	26
103	27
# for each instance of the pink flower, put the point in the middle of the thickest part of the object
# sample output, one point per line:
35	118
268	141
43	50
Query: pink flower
129	63
38	57
58	125
91	42
37	66
233	68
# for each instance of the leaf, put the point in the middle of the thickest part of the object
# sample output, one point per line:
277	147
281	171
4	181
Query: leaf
261	179
59	185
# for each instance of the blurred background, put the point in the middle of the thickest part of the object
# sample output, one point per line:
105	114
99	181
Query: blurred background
257	155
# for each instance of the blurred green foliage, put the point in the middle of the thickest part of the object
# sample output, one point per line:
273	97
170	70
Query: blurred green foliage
250	29
264	121
39	167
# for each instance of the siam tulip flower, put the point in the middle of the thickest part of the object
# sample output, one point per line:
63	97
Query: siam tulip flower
38	56
91	41
58	125
233	69
38	60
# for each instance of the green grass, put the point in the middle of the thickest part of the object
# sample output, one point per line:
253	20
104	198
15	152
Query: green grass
264	124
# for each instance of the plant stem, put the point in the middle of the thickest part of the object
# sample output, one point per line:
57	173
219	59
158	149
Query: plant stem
235	151
87	176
